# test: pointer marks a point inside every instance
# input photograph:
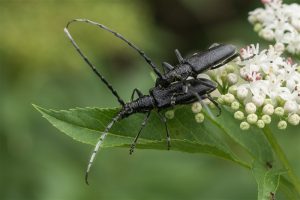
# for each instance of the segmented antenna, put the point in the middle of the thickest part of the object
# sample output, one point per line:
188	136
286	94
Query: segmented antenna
98	145
142	53
93	67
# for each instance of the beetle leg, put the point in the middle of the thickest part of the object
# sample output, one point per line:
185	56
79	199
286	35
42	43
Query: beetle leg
164	120
201	80
139	93
167	67
179	56
215	103
139	133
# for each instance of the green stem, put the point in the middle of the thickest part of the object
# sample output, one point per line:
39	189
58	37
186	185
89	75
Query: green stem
282	157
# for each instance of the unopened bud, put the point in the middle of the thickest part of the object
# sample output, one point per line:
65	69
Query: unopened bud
170	114
229	98
282	125
260	123
252	118
250	108
268	109
235	105
267	119
196	107
232	89
294	119
239	115
279	111
244	126
199	117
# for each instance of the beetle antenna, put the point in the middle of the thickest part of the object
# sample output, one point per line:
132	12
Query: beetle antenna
142	53
93	67
99	144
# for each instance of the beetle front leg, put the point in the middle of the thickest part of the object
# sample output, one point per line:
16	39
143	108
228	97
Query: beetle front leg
167	67
164	120
133	145
179	56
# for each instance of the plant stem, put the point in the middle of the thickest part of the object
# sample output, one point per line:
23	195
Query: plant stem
282	157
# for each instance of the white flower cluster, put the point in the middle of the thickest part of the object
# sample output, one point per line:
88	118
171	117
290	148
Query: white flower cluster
279	22
269	85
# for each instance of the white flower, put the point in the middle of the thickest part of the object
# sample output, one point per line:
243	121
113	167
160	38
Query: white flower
279	22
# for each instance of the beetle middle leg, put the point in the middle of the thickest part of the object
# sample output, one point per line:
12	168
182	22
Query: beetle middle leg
164	120
136	91
215	103
139	133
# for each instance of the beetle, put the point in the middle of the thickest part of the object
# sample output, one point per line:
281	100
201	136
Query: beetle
216	56
176	93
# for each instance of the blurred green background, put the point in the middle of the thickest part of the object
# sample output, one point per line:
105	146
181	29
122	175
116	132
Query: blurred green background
39	65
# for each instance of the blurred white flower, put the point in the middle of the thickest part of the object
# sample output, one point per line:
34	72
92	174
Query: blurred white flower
279	22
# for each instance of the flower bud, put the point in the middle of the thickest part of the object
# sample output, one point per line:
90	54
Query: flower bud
279	111
232	89
258	100
268	101
282	125
268	109
290	107
235	105
199	117
250	108
170	114
244	126
229	68
267	119
239	115
258	27
223	76
196	107
260	123
221	99
252	118
232	78
228	98
294	119
242	92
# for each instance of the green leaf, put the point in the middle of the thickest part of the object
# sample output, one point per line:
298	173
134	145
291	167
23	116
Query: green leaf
267	180
86	125
255	142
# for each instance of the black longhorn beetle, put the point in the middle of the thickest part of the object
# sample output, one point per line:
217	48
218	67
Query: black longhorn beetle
163	96
216	56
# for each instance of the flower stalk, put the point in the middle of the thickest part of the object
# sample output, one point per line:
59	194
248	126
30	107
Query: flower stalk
282	157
